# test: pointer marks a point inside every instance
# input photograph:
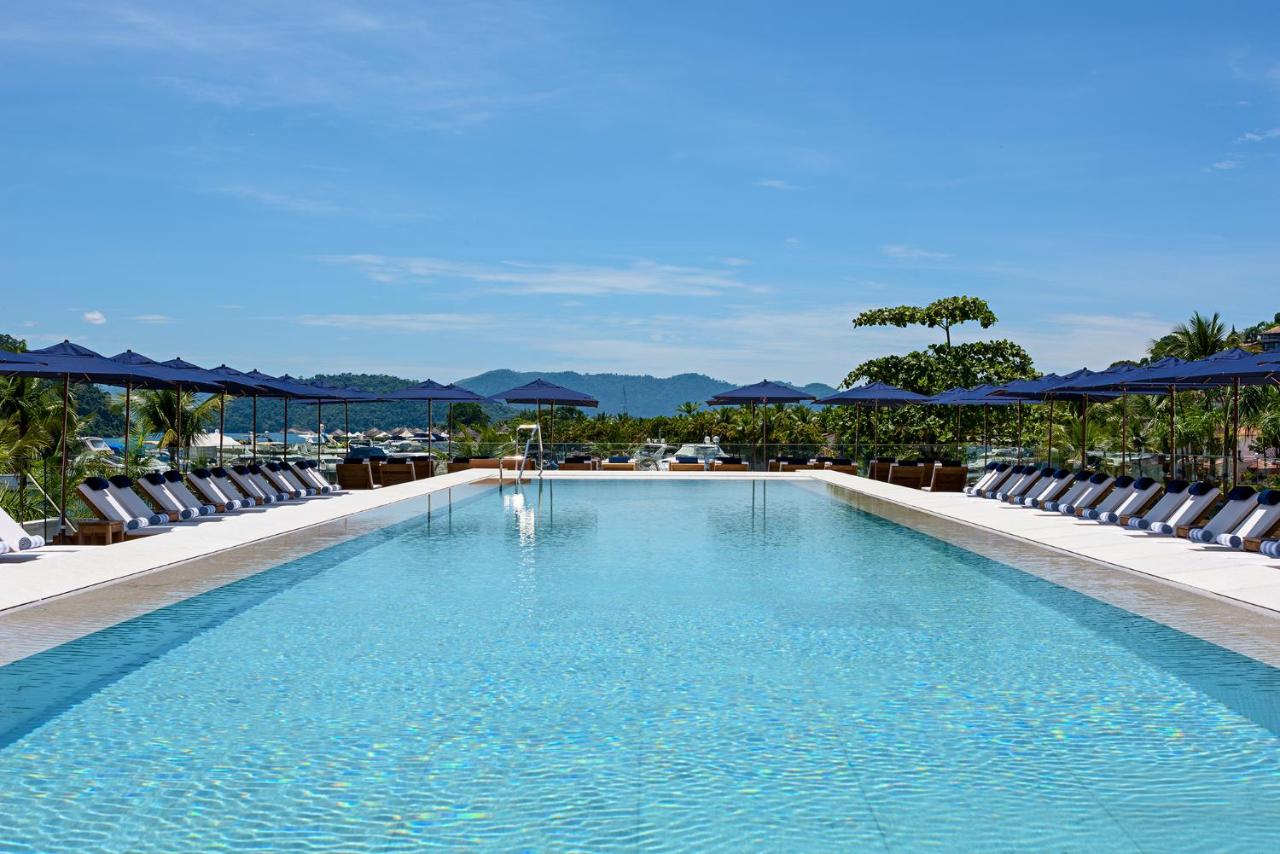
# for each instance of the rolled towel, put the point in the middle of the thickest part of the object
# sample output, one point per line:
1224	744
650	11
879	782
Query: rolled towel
188	513
1270	548
1108	518
1067	509
234	504
208	509
1139	524
135	524
4	549
37	542
1200	535
155	519
1092	513
1231	541
1050	506
1161	528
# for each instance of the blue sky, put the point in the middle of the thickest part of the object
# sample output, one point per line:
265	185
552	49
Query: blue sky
436	189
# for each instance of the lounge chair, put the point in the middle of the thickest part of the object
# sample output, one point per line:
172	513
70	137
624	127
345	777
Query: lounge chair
1093	492
991	480
1145	491
459	464
1030	477
880	467
308	471
1239	504
948	477
989	472
256	486
97	494
1079	485
394	474
1120	490
1261	521
283	479
210	491
232	489
618	462
1048	489
171	495
910	475
1175	493
14	537
731	464
1199	501
577	462
355	476
122	490
1011	478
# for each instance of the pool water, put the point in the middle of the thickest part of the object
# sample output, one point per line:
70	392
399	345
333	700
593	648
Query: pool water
690	665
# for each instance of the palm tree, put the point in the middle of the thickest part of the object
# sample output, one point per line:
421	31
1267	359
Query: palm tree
173	414
688	409
1198	338
30	427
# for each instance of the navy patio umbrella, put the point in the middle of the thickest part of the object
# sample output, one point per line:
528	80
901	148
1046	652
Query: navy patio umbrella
763	392
431	391
539	392
1053	387
876	394
980	395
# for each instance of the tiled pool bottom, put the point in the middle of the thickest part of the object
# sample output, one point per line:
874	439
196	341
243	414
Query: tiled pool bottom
668	666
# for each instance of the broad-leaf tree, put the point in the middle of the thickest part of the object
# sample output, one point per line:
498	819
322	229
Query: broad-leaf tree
939	314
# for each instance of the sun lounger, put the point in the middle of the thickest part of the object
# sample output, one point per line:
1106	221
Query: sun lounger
577	462
731	464
284	480
229	486
618	462
910	475
991	480
98	495
1048	489
1175	493
355	476
1094	491
1079	485
172	494
211	492
1261	521
880	467
1015	477
989	473
1120	490
253	484
948	477
14	537
308	471
1239	504
123	490
394	474
1030	476
1199	500
1140	496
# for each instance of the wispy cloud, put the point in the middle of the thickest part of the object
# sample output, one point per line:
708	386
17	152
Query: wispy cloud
735	262
1260	136
1223	165
279	201
638	277
152	319
400	322
776	184
901	250
95	318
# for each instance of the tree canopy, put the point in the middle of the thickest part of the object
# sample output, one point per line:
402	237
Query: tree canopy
939	314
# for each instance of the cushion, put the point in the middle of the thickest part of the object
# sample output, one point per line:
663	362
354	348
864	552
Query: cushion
203	474
1200	488
1123	481
1231	541
240	469
121	482
1099	478
1176	486
1240	493
1143	483
154	478
1269	497
97	483
173	477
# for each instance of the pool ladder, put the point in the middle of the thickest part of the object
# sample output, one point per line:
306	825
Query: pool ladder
535	432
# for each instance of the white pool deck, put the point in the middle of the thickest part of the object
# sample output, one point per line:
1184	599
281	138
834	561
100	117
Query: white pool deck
56	572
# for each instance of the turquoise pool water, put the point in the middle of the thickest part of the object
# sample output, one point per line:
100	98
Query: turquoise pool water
684	665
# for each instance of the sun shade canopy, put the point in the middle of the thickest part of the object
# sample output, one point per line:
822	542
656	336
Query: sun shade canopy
431	390
541	391
761	392
877	394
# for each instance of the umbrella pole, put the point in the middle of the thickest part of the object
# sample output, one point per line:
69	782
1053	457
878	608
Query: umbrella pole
986	432
1084	431
66	404
286	429
449	444
178	425
346	422
1124	434
319	431
1235	433
431	439
1173	439
1019	432
551	433
222	426
857	418
1049	436
128	393
255	429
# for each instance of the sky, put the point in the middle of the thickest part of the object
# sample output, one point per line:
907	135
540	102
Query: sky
438	189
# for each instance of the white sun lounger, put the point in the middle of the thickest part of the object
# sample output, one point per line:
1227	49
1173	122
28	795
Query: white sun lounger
96	491
990	474
1239	504
122	490
1079	483
156	486
283	480
1004	477
178	486
1144	489
309	473
1261	521
14	537
1200	497
255	485
1120	490
232	489
1024	483
1093	492
203	482
1046	489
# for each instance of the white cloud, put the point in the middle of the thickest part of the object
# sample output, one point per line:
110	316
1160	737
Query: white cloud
28	324
1067	341
776	184
97	318
638	277
735	262
901	250
400	322
1225	164
154	319
1259	136
791	242
279	201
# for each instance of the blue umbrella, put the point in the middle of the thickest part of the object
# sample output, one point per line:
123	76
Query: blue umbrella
432	391
877	394
539	392
764	392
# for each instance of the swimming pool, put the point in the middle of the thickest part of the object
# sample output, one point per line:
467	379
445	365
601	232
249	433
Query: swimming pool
665	665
